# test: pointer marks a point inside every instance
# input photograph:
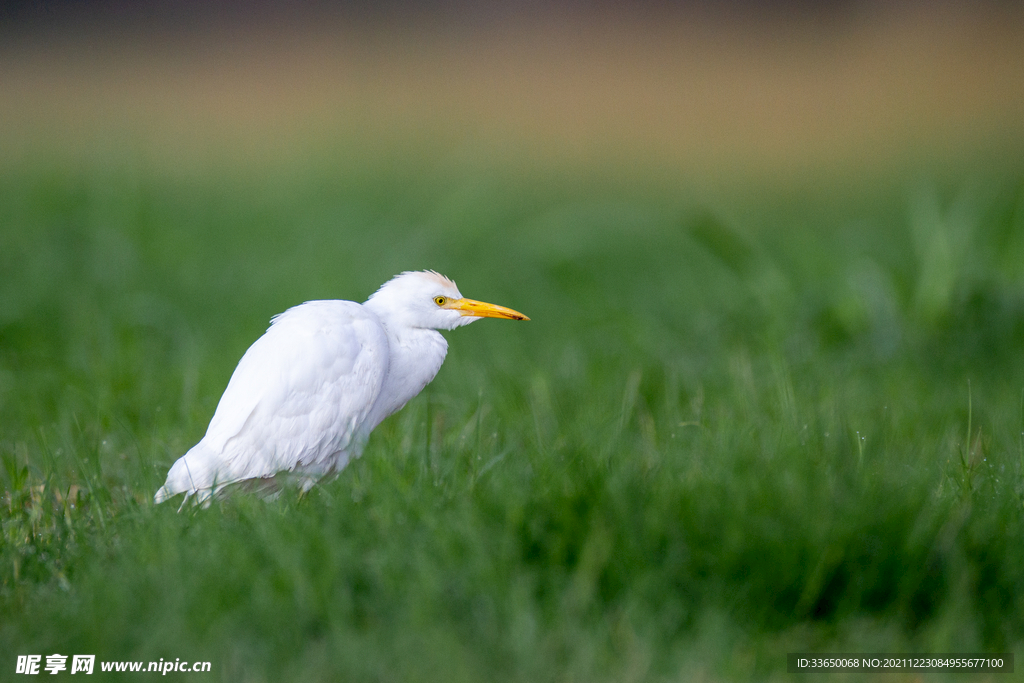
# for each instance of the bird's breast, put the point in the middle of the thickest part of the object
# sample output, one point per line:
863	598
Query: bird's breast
414	360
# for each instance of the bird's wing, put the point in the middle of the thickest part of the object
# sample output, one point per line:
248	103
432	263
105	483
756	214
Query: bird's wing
300	394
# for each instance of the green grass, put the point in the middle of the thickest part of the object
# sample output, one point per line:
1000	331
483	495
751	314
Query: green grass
733	428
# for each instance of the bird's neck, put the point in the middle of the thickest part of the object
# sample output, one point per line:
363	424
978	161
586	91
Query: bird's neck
414	357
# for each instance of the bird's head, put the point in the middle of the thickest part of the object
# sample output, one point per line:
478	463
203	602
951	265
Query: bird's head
425	299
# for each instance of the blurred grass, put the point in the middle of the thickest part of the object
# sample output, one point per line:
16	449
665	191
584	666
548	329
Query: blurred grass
745	420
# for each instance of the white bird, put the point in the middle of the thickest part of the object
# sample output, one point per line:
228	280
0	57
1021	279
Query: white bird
306	395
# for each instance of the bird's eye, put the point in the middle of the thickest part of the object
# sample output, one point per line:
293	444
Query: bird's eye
440	300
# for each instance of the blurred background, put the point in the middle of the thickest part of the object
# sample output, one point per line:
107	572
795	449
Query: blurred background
709	94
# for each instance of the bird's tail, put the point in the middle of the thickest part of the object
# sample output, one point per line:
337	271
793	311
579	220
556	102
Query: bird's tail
192	474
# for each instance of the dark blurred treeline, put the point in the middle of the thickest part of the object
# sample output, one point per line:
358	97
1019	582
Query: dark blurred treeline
18	16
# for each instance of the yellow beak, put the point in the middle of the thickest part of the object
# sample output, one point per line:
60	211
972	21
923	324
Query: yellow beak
479	309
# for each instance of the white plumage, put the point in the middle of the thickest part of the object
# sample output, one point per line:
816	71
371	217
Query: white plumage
306	395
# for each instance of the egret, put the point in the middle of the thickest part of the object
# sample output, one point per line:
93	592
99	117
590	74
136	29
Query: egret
306	395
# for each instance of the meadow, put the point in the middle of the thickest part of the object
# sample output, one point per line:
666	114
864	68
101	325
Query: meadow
745	419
